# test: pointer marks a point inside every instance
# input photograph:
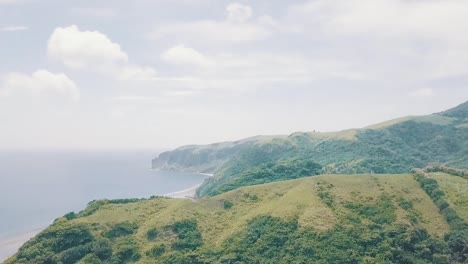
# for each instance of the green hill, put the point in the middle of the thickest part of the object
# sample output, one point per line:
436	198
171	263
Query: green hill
395	146
278	199
320	219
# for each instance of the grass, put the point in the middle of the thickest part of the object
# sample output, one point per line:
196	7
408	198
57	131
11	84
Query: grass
456	190
348	134
301	199
287	199
434	119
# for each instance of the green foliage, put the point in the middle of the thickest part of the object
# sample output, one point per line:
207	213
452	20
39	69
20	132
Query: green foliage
67	238
152	234
177	257
126	254
457	240
156	251
458	244
461	111
364	229
324	193
120	230
90	259
394	148
126	201
92	207
227	204
273	240
70	216
102	249
188	235
381	212
250	197
437	167
66	244
405	204
291	168
74	254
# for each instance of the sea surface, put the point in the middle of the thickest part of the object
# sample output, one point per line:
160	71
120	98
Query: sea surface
37	187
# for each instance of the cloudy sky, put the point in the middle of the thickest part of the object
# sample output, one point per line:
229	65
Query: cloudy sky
157	74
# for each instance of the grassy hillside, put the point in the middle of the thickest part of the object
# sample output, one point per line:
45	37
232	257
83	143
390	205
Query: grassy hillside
395	146
321	219
456	191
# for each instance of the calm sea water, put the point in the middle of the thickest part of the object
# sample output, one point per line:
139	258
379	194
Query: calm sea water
37	187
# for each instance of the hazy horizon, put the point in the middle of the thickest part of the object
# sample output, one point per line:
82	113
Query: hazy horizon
86	75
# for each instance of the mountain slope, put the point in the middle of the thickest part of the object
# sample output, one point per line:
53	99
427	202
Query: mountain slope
395	146
460	111
321	219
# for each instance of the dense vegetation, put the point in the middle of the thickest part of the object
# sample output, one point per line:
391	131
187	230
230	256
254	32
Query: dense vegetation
392	147
270	172
359	219
269	239
457	239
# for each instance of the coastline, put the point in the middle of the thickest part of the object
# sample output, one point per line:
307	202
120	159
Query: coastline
10	245
187	193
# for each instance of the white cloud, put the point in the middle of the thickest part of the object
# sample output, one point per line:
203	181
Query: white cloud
80	49
237	27
93	51
181	54
40	82
403	39
13	28
423	92
238	13
433	19
247	71
212	32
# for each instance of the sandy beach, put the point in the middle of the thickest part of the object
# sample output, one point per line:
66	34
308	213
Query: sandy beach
187	193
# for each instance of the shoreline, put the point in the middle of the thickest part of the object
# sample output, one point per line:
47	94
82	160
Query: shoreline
187	193
10	245
183	171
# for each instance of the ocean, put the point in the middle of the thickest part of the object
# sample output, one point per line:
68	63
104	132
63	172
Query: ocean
37	187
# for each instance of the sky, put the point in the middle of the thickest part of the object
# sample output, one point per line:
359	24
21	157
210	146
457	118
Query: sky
159	74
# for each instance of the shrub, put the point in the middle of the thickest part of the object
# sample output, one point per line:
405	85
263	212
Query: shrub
457	239
70	237
90	259
92	207
227	204
74	254
152	234
188	236
126	253
102	249
457	242
120	230
405	204
156	251
70	216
